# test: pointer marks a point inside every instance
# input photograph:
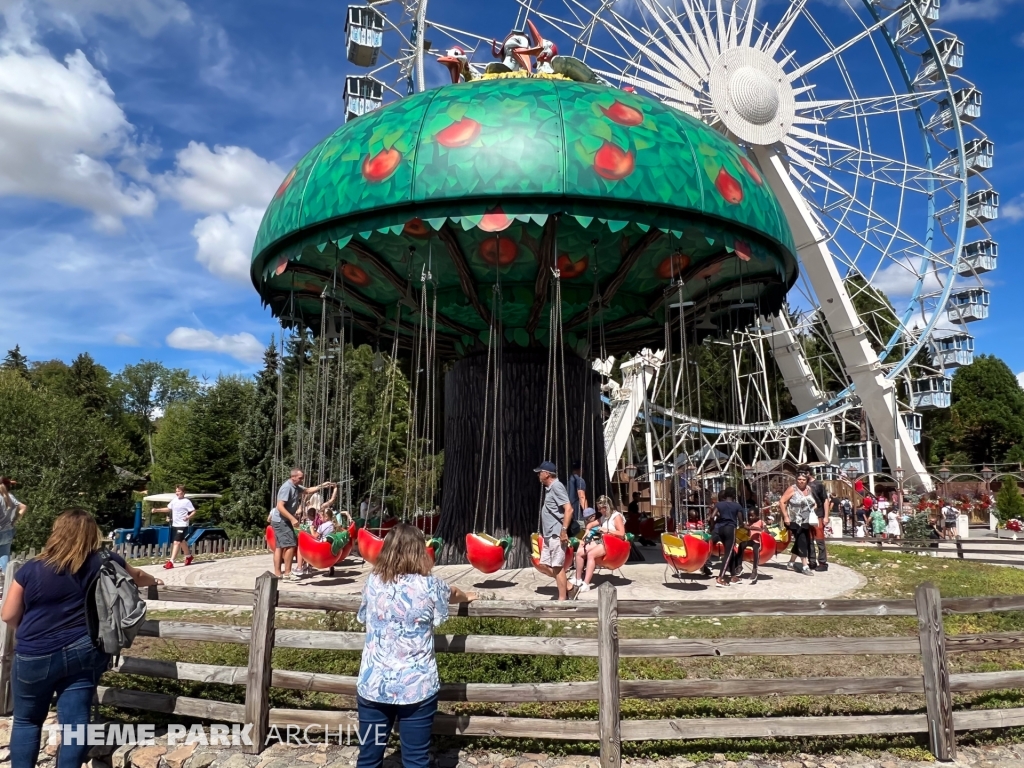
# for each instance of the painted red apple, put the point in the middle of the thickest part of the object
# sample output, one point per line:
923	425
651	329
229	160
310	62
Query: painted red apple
382	165
495	220
416	228
673	265
742	250
285	183
623	115
728	187
613	163
459	134
499	251
749	166
568	269
356	275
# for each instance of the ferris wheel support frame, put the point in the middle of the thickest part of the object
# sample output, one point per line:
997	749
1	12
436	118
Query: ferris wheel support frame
877	394
799	380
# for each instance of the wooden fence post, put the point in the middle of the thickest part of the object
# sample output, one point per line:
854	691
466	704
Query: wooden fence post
261	645
608	717
939	700
7	647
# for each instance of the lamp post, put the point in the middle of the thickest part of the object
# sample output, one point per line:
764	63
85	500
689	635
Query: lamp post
986	475
944	477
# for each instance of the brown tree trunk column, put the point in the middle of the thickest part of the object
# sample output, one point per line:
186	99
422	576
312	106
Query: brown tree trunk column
580	436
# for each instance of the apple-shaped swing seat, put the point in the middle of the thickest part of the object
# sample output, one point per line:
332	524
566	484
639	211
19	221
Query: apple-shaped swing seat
687	553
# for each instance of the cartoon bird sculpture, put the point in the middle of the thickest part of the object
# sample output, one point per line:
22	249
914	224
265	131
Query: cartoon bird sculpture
457	63
514	52
549	62
548	50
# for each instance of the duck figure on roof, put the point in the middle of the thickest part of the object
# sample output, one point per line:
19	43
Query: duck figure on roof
516	56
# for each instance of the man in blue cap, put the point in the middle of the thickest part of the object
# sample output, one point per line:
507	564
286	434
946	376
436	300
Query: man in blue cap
555	519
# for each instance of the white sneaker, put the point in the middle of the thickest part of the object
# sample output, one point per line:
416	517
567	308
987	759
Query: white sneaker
576	582
584	587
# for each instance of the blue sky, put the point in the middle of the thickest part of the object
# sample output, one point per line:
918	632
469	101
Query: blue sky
141	139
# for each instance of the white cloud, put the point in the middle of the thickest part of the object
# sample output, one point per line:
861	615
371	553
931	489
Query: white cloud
221	180
241	346
955	10
1019	39
63	132
125	340
1012	210
899	277
233	185
224	241
146	16
1020	379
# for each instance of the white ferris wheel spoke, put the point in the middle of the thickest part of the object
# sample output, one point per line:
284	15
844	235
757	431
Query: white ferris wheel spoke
785	25
830	109
696	62
802	70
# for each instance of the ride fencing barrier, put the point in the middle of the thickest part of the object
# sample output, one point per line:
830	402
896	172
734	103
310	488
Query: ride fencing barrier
991	551
932	646
202	547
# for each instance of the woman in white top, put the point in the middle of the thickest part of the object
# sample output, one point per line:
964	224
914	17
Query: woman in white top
892	529
11	511
612	523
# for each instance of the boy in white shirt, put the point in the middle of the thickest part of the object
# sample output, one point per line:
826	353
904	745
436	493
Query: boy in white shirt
180	511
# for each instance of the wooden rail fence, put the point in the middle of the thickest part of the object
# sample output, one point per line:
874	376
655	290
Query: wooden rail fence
989	551
203	547
939	719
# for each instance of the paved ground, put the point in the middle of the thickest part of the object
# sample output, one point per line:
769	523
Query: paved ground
651	580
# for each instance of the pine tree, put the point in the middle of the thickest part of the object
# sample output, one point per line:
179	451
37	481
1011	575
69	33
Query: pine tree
1009	502
252	483
16	361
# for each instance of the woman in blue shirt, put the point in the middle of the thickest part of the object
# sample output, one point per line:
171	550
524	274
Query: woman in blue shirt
53	650
402	603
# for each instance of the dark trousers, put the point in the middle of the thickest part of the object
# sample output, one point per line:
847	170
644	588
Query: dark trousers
816	552
801	536
753	543
376	720
72	673
726	534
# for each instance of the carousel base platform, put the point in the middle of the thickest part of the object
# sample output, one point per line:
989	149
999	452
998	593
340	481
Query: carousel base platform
652	579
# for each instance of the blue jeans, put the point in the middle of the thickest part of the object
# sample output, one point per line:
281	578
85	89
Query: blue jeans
376	720
6	540
72	673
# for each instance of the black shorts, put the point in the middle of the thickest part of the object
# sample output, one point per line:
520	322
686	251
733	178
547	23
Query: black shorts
951	523
179	534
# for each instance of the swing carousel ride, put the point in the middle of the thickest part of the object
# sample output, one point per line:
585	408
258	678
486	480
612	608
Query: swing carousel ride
612	178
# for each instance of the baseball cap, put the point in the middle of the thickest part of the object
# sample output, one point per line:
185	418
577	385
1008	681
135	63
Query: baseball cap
589	512
547	466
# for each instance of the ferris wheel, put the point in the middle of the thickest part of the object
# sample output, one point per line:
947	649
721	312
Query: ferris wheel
861	122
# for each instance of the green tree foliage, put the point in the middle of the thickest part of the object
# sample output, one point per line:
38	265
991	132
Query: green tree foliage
252	483
986	418
59	454
196	442
145	389
1009	502
16	361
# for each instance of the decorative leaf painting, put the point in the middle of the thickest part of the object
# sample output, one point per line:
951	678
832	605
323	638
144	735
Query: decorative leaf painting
485	184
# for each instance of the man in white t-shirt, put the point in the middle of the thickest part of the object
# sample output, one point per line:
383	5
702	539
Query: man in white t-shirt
180	511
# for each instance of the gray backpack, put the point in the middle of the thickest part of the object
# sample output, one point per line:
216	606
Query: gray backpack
114	610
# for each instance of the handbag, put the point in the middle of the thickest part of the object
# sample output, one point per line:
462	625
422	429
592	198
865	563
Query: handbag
812	519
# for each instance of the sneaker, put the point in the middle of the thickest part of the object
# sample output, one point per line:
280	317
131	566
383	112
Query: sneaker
753	580
822	567
584	587
290	577
808	572
188	560
168	565
720	583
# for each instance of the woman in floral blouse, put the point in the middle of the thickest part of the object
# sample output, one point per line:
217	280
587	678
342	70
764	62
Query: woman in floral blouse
402	603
